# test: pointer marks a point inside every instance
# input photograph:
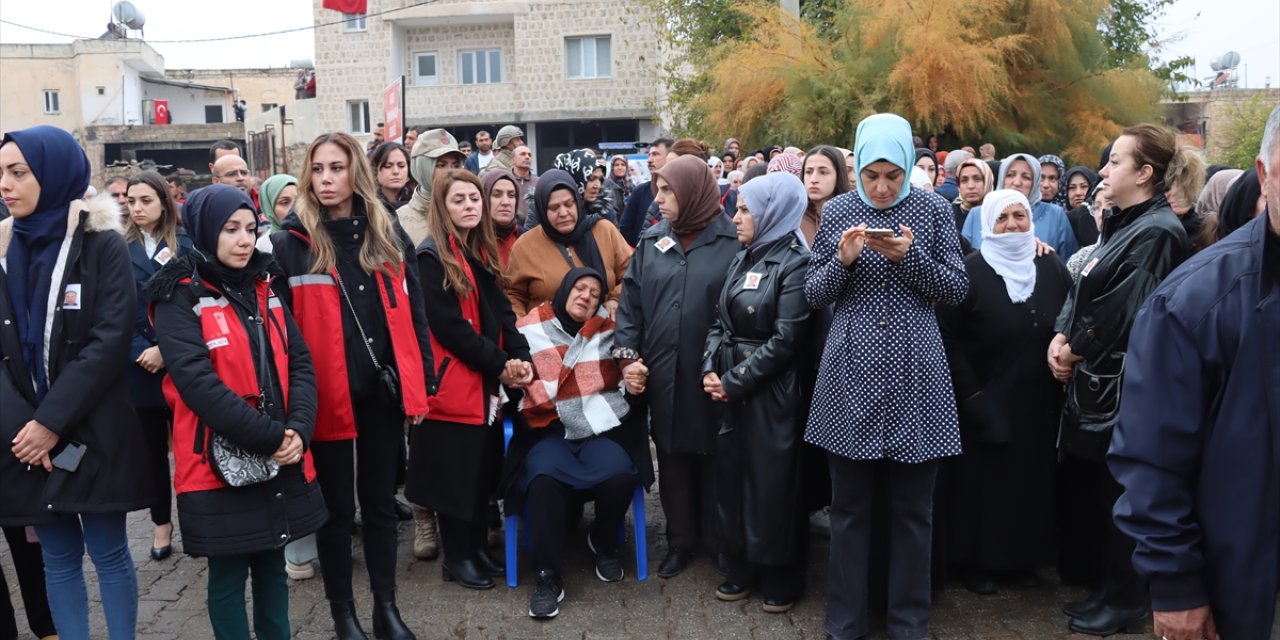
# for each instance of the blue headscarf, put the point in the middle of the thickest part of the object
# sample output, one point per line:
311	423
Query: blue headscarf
62	169
884	136
206	210
777	203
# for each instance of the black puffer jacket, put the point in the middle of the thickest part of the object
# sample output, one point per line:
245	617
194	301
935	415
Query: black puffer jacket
1139	247
88	398
237	520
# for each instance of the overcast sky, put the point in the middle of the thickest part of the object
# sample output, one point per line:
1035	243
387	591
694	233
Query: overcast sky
1201	28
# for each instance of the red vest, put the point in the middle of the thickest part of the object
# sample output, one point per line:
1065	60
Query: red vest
461	397
234	362
317	308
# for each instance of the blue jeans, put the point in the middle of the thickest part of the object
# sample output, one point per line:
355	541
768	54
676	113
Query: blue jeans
64	545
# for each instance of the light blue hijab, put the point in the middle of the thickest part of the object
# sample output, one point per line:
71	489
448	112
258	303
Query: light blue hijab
884	136
777	203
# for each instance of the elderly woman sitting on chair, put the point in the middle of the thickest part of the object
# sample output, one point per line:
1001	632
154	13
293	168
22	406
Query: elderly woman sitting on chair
574	441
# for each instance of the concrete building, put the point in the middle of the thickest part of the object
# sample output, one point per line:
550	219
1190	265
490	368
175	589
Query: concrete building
570	73
102	91
1207	117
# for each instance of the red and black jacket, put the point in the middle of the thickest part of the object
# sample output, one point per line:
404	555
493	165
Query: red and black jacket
318	307
473	337
210	343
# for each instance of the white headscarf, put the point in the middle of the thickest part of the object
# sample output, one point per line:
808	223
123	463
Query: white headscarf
1011	255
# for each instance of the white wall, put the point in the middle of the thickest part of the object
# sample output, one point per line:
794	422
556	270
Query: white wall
186	105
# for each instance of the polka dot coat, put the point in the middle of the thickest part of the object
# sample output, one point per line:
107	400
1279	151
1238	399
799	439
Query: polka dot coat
884	389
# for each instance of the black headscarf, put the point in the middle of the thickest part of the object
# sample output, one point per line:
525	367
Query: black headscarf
1088	174
203	215
1240	204
581	239
560	303
922	152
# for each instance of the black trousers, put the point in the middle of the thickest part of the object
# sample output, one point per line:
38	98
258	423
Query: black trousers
1121	586
157	423
784	582
364	468
29	563
685	487
910	491
547	515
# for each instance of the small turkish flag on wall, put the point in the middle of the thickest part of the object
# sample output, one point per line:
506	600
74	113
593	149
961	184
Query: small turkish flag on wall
160	111
347	6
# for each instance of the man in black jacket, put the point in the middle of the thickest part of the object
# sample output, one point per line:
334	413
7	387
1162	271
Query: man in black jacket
1195	447
636	213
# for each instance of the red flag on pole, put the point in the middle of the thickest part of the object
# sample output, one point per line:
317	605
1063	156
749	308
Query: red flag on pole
160	111
347	6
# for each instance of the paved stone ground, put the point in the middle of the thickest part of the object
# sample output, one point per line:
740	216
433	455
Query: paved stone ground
172	602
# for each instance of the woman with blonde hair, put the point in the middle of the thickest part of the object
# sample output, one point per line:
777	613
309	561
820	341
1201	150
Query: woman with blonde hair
455	456
358	303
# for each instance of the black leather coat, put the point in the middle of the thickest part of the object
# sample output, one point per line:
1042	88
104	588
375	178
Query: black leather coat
1139	247
762	347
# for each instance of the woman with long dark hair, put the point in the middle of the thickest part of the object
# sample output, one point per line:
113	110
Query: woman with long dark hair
357	300
155	234
825	176
455	456
390	162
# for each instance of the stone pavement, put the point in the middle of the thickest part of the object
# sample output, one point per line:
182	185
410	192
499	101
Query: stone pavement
172	602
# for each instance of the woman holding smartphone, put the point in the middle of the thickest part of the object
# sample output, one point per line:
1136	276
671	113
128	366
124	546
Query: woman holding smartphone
77	460
239	370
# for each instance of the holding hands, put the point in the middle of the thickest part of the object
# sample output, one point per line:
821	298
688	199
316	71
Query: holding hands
517	375
635	376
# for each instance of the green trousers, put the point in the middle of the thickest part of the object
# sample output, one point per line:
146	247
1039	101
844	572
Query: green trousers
227	614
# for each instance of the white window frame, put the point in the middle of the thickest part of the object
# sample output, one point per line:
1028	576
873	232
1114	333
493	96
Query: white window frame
358	128
486	58
418	78
588	48
52	102
355	22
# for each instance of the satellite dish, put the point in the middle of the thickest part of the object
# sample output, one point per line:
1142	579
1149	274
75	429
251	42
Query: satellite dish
130	16
1228	60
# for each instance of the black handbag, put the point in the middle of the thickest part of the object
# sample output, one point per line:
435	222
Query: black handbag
233	464
388	379
1094	393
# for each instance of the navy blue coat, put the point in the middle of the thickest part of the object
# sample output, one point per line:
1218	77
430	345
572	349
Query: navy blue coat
143	385
631	224
1197	446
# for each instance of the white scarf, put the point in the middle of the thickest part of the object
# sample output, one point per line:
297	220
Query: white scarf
1011	255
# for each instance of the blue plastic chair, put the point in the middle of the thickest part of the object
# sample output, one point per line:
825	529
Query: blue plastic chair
511	527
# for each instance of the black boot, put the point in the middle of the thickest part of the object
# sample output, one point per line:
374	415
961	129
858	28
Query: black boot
345	623
1107	621
387	624
467	573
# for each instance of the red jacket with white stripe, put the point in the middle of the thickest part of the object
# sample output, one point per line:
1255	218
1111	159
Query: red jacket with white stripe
318	308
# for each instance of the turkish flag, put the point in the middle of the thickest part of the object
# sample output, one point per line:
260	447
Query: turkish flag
160	111
347	6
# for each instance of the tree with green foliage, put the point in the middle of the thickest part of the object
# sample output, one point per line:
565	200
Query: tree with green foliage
1237	143
1043	74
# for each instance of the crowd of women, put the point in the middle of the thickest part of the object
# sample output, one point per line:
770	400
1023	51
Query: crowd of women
812	329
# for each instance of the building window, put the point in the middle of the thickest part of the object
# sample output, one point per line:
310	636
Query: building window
358	116
425	69
483	66
354	22
588	57
51	102
268	106
213	113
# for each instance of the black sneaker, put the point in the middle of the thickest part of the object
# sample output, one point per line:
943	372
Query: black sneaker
547	595
608	566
